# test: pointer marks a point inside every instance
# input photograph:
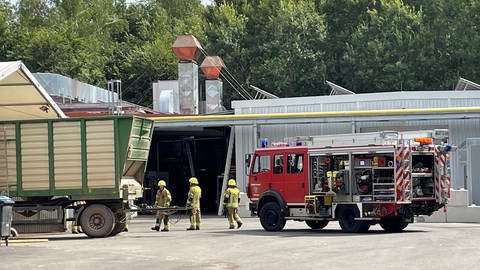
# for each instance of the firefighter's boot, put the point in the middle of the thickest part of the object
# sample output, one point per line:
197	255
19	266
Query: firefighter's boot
75	228
231	226
190	228
157	225
239	224
165	230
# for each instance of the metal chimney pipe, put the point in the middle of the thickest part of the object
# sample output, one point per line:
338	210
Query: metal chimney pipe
212	68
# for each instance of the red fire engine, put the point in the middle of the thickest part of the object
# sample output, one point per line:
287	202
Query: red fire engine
358	179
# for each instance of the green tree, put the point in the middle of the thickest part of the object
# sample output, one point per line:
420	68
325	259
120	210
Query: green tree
381	49
275	45
448	44
6	21
146	55
226	33
294	51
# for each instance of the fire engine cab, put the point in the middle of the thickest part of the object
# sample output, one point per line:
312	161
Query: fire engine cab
358	179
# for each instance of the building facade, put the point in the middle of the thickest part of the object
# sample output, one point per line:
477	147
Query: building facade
463	128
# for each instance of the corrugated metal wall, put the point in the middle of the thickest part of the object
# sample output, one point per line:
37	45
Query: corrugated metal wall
67	154
459	130
35	166
8	157
100	154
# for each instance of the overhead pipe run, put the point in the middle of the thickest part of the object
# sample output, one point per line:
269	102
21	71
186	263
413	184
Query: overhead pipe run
322	114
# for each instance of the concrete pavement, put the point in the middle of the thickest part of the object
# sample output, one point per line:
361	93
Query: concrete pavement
421	246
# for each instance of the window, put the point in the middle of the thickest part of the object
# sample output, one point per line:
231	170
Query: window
262	164
278	164
295	163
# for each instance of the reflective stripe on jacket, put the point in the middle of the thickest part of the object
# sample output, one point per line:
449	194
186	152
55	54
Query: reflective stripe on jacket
232	195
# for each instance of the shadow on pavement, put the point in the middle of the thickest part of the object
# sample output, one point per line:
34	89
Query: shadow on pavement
309	232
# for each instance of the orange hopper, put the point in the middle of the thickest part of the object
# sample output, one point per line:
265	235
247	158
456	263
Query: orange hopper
187	48
211	67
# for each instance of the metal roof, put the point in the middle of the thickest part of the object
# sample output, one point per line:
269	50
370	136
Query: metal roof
22	97
403	99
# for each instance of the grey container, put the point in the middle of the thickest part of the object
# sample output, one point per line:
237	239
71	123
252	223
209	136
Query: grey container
6	205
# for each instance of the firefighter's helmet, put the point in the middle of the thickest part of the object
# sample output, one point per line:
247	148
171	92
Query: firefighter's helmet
193	181
232	182
162	183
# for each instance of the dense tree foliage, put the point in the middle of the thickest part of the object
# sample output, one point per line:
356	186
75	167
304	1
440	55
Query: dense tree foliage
287	47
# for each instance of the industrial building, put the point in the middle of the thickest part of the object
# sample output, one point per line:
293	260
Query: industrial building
277	120
358	113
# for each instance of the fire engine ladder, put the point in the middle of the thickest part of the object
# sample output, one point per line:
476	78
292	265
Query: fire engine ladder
345	140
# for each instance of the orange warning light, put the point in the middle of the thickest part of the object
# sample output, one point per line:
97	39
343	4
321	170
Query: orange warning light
423	140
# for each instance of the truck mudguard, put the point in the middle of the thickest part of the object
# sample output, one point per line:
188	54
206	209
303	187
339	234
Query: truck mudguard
269	196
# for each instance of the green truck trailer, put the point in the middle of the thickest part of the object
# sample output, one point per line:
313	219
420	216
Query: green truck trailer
93	165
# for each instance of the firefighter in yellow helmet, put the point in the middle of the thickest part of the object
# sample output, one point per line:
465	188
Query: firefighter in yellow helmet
230	201
163	199
194	195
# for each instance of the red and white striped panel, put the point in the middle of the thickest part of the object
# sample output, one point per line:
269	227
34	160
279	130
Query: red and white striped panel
398	172
407	174
447	180
402	179
439	179
447	174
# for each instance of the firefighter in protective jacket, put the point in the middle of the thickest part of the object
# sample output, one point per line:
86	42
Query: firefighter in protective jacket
163	199
230	201
194	195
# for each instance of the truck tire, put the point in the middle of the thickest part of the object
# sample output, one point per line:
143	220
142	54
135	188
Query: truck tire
393	225
120	223
271	217
97	220
346	218
316	224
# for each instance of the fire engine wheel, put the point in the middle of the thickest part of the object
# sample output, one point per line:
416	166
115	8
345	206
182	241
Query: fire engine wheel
393	225
271	217
97	220
120	223
316	224
346	218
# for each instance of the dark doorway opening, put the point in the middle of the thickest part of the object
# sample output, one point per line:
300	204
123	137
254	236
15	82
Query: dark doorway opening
176	155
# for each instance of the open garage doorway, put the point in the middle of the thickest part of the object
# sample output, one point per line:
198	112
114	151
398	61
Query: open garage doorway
177	154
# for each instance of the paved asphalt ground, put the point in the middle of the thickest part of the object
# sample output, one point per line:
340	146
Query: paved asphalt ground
422	246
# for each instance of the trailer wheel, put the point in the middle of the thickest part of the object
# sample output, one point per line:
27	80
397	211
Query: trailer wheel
271	217
393	225
120	223
97	220
346	218
316	224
